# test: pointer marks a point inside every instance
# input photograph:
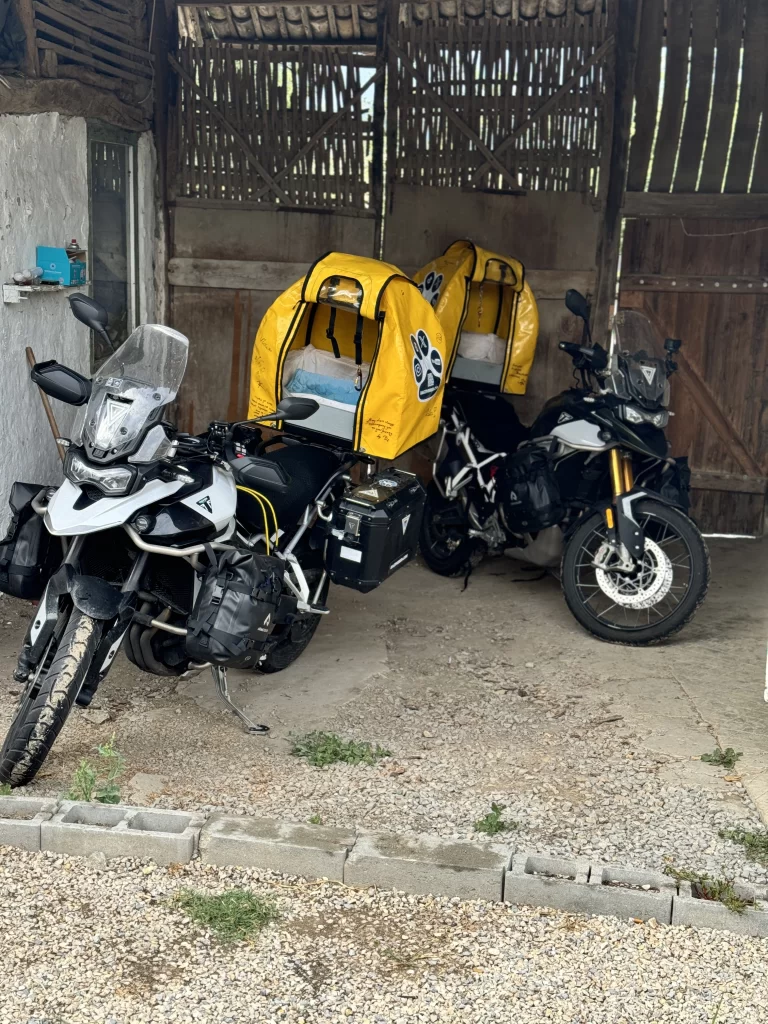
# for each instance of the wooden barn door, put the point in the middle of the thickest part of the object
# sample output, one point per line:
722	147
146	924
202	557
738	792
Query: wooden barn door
704	280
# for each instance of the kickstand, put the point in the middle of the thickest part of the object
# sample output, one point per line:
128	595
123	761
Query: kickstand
220	678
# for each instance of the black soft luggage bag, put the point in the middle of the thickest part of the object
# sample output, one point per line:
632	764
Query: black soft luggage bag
29	555
529	491
235	608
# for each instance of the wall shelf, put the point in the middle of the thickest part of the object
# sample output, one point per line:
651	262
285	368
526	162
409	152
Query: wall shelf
13	293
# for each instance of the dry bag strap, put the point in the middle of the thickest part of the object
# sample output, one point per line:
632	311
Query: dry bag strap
329	333
359	352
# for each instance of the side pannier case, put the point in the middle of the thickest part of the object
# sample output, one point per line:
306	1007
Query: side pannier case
29	555
356	336
488	313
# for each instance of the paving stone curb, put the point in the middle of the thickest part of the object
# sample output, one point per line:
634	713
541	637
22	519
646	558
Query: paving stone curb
425	865
117	830
20	820
422	865
314	851
688	909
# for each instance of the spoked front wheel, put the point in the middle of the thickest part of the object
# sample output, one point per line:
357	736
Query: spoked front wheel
48	698
654	601
445	543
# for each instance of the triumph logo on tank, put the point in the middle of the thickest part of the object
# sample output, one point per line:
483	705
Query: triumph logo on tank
427	366
206	505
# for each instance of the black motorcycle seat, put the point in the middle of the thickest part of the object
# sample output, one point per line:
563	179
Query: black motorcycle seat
289	477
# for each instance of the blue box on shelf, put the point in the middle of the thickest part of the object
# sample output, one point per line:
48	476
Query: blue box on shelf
58	268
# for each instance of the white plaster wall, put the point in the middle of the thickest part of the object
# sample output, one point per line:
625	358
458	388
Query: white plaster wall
43	201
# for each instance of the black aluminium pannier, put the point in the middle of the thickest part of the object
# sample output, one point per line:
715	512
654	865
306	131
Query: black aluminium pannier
235	608
530	493
29	555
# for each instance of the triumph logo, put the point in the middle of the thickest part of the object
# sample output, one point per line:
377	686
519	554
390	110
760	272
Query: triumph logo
406	520
564	418
205	503
649	372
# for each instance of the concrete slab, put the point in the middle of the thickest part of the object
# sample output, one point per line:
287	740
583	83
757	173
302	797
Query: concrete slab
80	829
426	865
20	820
313	851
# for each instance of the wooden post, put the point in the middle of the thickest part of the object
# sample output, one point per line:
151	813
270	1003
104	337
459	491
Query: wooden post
393	85
49	415
379	114
162	41
25	12
627	36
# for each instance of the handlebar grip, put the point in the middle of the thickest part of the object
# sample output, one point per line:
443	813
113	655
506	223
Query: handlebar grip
571	348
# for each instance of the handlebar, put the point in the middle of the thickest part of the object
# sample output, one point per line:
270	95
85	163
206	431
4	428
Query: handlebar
576	350
584	356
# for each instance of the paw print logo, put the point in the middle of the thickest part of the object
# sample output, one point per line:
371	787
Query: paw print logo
430	287
427	366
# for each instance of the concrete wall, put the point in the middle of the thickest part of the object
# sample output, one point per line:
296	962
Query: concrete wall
44	201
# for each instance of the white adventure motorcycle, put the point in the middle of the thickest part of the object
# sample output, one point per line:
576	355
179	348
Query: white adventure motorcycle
186	551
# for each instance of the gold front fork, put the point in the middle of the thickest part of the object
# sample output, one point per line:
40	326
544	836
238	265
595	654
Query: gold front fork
622	477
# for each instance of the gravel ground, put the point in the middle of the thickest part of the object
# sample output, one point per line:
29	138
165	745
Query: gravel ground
85	941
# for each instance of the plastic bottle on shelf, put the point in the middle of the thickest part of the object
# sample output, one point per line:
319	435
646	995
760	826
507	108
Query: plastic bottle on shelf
73	250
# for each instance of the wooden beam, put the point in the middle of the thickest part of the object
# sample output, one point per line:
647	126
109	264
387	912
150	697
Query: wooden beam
714	285
86	28
322	130
26	15
82	57
193	202
379	115
452	116
282	3
735	483
255	275
250	156
694	204
553	100
628	16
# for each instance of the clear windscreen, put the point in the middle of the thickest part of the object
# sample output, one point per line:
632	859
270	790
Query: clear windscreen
137	380
638	360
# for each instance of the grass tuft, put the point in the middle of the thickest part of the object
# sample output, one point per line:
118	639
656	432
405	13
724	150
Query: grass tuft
722	758
717	890
315	820
5	789
493	823
755	843
323	748
99	781
232	916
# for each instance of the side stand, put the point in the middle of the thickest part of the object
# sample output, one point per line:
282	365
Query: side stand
220	679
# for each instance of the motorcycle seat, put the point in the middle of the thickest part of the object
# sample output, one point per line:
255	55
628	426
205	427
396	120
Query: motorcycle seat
289	477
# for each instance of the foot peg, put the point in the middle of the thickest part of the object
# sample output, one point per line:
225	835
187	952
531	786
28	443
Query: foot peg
222	688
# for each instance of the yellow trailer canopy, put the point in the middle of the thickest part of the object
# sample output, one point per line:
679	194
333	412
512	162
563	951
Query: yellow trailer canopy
356	335
488	313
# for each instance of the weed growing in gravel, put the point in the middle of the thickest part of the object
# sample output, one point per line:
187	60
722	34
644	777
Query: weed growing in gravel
718	890
755	843
493	823
5	789
722	758
99	781
232	916
315	820
324	748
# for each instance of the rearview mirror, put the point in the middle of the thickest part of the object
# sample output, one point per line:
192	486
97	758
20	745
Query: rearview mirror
577	304
91	313
61	382
294	408
673	345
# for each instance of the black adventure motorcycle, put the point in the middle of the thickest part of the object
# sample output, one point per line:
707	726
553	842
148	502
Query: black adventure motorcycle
590	485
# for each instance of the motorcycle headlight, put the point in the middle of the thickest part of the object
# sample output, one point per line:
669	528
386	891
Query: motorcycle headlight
631	414
112	480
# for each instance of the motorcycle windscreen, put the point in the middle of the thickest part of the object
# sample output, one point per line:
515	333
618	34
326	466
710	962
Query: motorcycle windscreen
637	360
137	380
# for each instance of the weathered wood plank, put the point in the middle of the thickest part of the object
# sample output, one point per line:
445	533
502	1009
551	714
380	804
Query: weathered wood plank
729	37
258	275
646	91
82	57
716	285
696	204
90	25
735	483
675	75
752	96
78	43
703	32
26	16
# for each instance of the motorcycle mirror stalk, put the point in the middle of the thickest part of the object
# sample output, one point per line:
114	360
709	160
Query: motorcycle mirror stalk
290	408
91	313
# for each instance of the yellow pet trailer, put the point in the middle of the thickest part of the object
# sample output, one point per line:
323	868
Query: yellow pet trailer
355	335
488	313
